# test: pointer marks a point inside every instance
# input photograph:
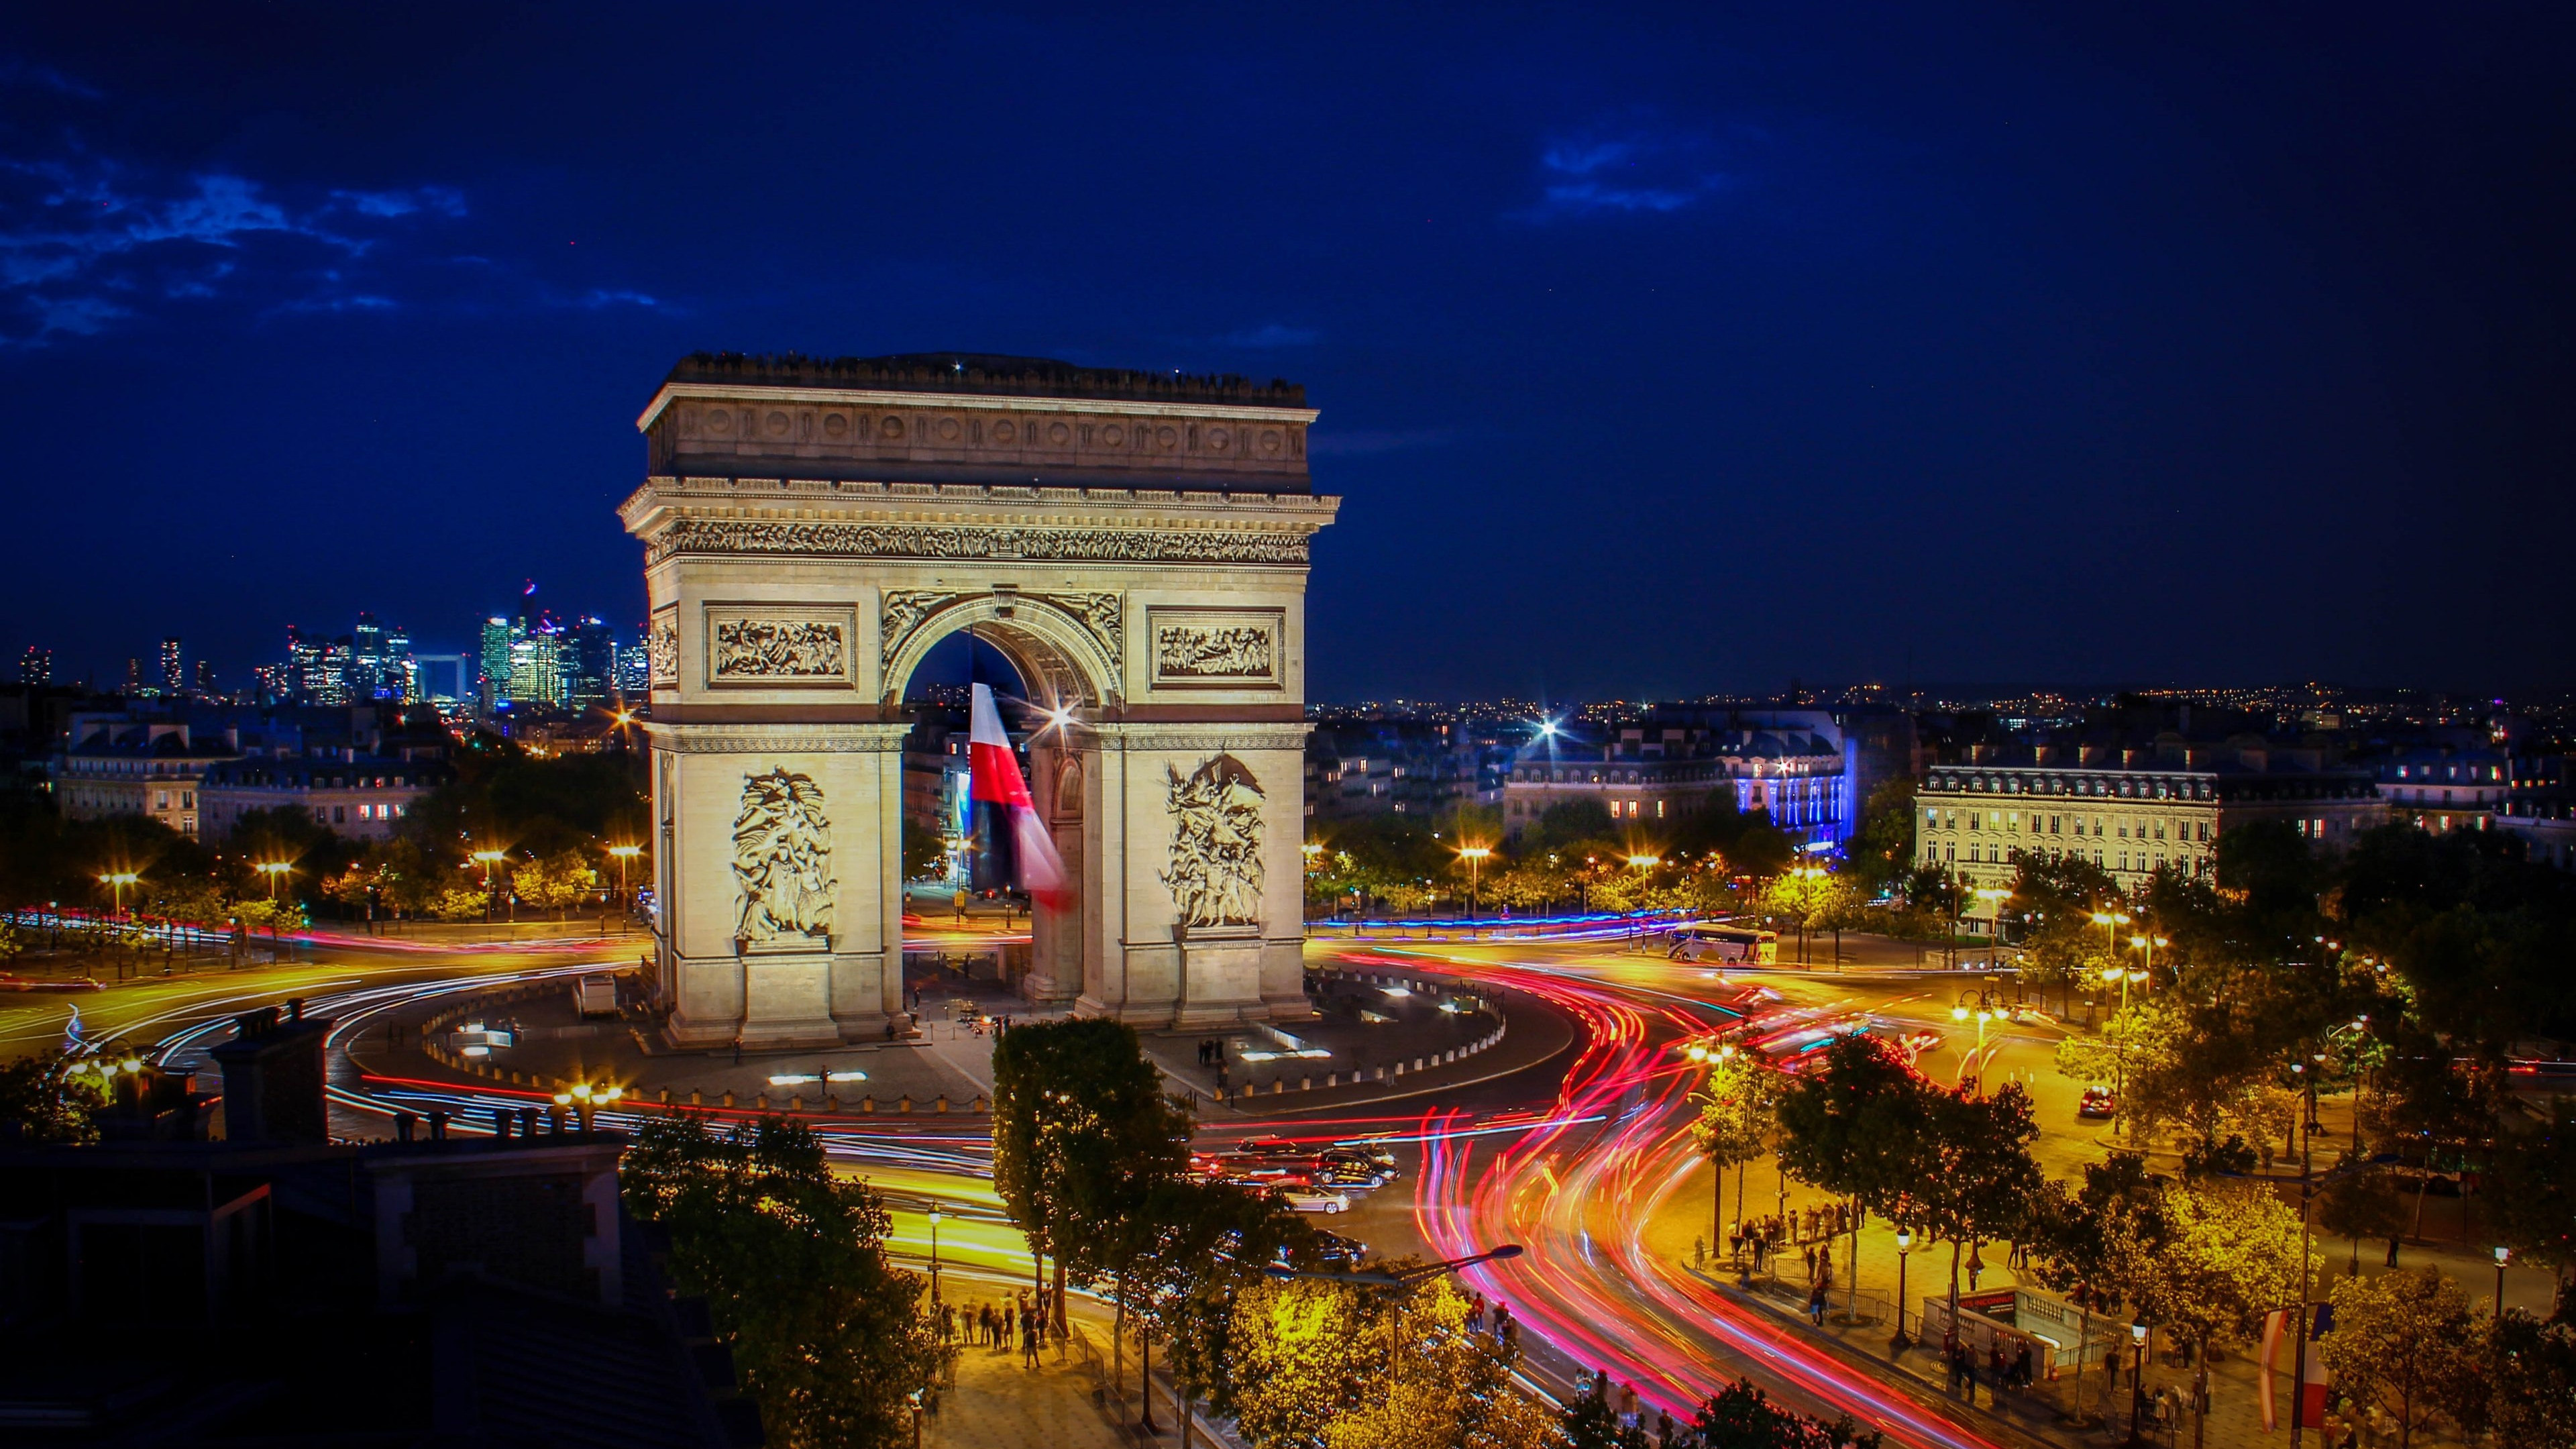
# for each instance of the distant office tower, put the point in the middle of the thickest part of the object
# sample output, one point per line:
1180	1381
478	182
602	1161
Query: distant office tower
494	681
205	677
589	663
36	666
274	682
319	667
537	664
634	671
174	675
366	674
402	674
133	676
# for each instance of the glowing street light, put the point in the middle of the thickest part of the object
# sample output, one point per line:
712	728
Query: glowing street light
275	870
1474	855
934	1255
2147	944
116	882
623	854
1645	862
490	858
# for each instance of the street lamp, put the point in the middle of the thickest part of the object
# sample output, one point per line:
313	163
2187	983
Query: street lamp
490	858
2137	1375
276	871
2503	1256
1984	1011
116	882
934	1257
623	853
1474	855
2148	944
1904	1251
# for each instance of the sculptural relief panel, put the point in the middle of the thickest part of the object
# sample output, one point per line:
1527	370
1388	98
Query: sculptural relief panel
773	646
662	648
1217	648
782	861
1215	865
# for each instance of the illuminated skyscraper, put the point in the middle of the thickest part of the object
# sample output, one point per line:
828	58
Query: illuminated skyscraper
174	675
36	666
589	663
494	683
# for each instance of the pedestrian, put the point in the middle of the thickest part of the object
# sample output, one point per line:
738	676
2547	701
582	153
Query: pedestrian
1995	1359
2023	1376
1628	1406
1663	1428
1029	1338
1699	1252
1816	1305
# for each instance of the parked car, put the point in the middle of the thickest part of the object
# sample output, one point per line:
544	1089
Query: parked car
2098	1103
1314	1200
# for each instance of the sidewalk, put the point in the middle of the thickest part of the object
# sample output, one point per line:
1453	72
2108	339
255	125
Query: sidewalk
997	1403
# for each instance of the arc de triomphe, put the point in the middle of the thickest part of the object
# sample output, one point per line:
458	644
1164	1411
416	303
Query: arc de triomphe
1135	543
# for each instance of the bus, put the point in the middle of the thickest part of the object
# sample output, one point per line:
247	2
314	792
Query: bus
1711	941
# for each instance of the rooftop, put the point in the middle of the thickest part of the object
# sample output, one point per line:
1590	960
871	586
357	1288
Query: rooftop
982	373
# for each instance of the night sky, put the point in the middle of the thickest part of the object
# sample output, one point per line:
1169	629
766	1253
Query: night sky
1658	353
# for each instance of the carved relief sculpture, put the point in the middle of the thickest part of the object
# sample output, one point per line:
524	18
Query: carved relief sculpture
873	540
1190	651
903	611
1215	871
662	648
779	649
782	858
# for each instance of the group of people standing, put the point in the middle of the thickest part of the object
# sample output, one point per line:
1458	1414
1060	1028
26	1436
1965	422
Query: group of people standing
2000	1373
1797	1228
995	1325
1507	1329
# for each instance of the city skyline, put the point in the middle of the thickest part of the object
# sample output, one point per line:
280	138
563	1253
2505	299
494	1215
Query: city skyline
2034	347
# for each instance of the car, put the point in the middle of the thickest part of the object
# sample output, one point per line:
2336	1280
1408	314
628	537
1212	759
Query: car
1335	1251
1314	1200
2098	1103
1374	1149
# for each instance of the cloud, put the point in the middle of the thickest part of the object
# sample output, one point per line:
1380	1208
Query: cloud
597	299
1272	334
44	77
440	200
1629	172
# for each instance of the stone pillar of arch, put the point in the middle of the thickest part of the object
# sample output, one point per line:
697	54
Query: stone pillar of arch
1135	544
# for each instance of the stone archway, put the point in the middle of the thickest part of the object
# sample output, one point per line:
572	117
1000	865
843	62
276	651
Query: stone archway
1136	544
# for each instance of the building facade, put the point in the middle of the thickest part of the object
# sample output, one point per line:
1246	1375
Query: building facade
360	797
1796	765
2443	790
114	765
2131	812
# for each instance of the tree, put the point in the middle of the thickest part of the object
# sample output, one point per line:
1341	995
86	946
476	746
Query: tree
1761	852
1738	1112
2090	1244
2401	1340
2532	1195
1743	1417
47	1103
2230	1254
1325	1365
1081	1132
1862	1125
1591	1423
2364	1205
556	882
829	1336
2528	1371
1882	850
1805	897
1185	1247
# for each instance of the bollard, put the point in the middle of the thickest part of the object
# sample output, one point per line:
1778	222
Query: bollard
796	1103
868	1103
728	1098
762	1102
943	1103
697	1098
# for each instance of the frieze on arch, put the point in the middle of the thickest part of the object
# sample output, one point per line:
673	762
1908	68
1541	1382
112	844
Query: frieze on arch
919	541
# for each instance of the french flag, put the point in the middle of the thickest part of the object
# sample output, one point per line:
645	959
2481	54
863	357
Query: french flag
997	782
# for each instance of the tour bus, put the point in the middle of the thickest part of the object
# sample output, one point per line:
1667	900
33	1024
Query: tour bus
1711	941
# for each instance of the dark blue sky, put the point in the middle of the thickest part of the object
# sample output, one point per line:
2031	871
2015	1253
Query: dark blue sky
1658	352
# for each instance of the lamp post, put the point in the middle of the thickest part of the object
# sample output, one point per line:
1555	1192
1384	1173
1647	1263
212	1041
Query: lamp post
276	871
2137	1376
1904	1251
490	858
1475	855
116	881
2503	1256
2111	922
623	853
934	1257
2147	944
1983	1009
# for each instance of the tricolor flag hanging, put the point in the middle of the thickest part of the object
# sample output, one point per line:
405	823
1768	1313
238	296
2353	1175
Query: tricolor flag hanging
2317	1322
997	782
